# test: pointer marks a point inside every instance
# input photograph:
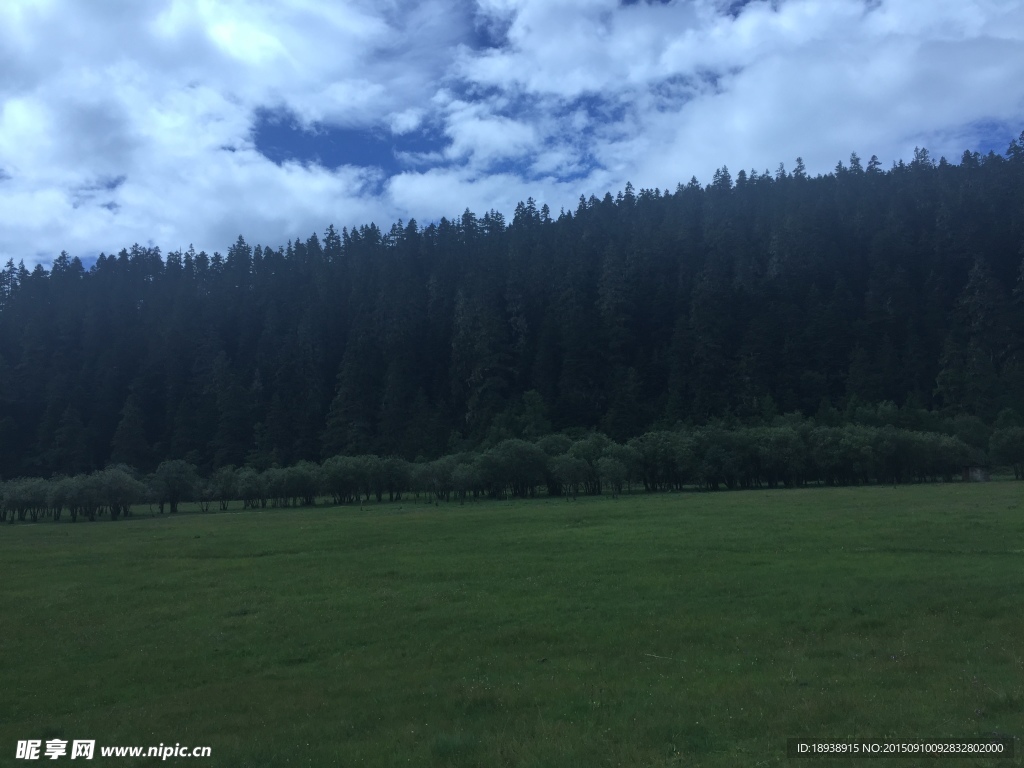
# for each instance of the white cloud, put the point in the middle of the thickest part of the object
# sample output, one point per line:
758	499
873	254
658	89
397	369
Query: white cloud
406	121
483	137
698	88
124	121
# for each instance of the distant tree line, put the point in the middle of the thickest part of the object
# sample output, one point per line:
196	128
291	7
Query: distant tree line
788	452
761	293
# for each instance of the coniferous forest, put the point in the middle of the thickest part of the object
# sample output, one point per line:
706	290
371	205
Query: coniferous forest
867	296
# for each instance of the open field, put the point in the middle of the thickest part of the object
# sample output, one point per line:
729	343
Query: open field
675	629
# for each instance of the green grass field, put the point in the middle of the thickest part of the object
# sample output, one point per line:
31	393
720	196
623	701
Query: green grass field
679	629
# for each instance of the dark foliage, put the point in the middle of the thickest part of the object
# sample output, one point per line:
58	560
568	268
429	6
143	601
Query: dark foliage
789	451
757	295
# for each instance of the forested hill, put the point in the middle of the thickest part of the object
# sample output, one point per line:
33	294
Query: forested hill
761	293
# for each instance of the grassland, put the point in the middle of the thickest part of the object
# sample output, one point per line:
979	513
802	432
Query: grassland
678	629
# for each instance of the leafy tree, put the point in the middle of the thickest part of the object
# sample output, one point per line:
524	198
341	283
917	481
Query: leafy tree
467	479
590	449
174	481
119	489
572	473
341	478
225	486
613	474
1007	447
252	487
515	467
304	482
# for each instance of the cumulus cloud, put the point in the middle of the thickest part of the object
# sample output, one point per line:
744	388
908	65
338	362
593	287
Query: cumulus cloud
478	134
127	122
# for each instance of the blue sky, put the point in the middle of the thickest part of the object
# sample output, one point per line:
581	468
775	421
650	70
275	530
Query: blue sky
177	122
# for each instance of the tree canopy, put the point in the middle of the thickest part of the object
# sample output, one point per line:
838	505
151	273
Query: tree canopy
757	295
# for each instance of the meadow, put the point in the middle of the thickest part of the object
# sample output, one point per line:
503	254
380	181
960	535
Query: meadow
678	629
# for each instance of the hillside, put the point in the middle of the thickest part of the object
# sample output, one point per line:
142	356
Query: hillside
759	294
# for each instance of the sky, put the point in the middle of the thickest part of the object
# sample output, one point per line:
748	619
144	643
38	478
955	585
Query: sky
177	122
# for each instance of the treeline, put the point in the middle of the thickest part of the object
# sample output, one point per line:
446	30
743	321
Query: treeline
758	294
791	452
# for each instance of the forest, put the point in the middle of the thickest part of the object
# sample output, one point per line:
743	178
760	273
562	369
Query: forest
864	299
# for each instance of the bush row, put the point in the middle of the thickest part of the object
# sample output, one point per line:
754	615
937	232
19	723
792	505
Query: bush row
557	465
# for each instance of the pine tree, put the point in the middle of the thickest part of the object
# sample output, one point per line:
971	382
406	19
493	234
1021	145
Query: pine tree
129	445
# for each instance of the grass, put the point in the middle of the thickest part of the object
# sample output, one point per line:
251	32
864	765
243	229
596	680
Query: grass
678	629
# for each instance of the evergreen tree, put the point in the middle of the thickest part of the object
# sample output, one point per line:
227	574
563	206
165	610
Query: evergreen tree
754	294
130	445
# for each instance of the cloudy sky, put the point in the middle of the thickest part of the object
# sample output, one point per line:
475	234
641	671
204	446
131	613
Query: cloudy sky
170	122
